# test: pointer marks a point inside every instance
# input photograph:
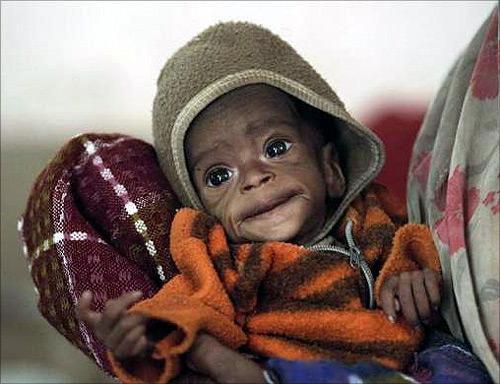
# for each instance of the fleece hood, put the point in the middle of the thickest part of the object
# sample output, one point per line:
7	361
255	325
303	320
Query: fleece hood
230	55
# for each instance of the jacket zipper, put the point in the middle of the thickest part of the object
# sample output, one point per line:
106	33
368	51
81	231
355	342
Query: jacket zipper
356	260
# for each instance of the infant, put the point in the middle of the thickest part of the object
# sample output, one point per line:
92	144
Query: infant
270	158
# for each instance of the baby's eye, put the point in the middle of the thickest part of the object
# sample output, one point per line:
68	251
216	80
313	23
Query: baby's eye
277	148
218	176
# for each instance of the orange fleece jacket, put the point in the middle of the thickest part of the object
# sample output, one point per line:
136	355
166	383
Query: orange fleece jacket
282	300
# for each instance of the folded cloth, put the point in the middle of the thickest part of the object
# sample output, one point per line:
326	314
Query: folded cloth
442	359
283	300
97	218
331	371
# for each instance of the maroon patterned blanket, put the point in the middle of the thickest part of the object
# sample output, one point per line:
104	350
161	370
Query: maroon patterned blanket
97	219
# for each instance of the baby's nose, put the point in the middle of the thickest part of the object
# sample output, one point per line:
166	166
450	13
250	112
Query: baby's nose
255	178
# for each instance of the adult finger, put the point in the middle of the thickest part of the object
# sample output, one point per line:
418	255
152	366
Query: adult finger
387	299
128	347
143	347
420	296
432	282
84	313
397	306
122	328
114	310
406	299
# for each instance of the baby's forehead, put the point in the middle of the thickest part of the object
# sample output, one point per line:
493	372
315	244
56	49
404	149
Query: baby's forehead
254	102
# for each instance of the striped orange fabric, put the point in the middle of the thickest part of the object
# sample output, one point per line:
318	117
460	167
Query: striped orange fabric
283	300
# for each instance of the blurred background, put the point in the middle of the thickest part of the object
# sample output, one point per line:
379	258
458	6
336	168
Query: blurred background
72	67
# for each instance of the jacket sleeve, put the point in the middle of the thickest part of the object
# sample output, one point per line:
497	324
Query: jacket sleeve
412	249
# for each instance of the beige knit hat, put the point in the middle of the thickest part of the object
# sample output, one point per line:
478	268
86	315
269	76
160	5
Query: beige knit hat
230	55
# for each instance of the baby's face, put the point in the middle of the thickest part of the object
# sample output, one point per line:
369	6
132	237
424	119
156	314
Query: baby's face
257	169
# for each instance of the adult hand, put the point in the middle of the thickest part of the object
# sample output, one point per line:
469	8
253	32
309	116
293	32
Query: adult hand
222	364
124	334
416	294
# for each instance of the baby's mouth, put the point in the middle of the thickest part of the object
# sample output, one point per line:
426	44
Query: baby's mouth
266	206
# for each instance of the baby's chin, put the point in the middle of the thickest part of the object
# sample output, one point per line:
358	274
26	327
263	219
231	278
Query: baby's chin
261	237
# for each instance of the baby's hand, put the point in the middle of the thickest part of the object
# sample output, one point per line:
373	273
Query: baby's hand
416	294
124	334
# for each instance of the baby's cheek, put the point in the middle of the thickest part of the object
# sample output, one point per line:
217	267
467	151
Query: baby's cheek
213	200
222	210
301	162
233	234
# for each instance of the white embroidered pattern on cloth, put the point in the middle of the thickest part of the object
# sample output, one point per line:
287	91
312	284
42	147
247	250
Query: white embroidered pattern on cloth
58	237
129	205
59	201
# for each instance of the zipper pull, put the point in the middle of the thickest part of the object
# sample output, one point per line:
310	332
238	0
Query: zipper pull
354	257
355	253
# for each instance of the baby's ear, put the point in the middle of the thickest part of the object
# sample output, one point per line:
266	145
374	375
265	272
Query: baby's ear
334	178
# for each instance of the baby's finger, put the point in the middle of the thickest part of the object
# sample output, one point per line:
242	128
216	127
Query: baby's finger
127	347
387	298
122	328
115	308
420	296
432	284
83	311
406	299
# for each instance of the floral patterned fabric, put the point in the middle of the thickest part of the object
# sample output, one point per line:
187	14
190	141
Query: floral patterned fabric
453	187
